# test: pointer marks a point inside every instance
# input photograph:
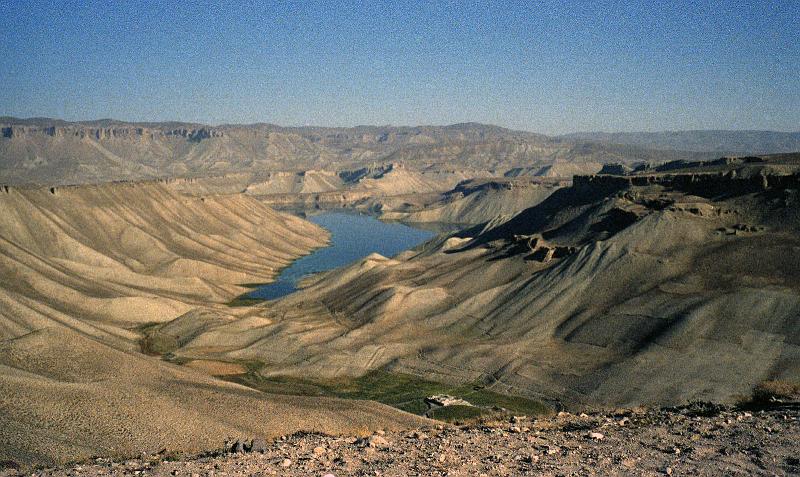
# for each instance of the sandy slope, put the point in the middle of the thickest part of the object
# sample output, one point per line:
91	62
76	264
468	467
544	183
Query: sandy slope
81	267
659	292
472	202
139	252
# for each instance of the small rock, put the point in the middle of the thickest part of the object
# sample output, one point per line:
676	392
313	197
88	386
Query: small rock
259	445
377	441
596	436
286	463
319	451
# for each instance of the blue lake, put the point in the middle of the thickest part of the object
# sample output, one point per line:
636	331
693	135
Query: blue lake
353	237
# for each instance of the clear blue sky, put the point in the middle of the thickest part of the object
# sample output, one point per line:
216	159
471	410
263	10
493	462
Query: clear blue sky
548	67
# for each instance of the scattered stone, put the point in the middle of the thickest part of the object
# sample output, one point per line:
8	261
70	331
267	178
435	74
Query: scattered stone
444	400
664	442
259	445
319	451
596	436
377	441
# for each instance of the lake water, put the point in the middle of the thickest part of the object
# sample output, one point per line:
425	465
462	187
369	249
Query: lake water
353	237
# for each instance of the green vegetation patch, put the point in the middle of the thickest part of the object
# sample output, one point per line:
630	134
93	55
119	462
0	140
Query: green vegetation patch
253	286
402	391
459	414
244	300
154	342
775	390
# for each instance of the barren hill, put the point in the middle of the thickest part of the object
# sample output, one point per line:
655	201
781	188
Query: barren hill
654	288
85	268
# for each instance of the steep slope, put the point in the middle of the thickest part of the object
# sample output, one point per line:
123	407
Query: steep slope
475	201
83	267
655	288
134	252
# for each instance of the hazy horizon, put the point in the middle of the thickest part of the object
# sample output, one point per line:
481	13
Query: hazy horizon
552	67
180	121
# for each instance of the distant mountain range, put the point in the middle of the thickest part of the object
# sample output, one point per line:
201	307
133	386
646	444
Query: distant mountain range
718	141
52	151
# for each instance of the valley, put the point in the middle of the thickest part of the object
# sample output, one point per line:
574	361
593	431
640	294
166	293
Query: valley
589	278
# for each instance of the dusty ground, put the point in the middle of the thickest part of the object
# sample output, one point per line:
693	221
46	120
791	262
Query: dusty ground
684	441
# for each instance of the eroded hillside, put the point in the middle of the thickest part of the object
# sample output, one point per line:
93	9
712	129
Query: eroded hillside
654	288
84	268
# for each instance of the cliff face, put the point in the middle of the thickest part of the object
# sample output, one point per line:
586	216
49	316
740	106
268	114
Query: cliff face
133	133
56	152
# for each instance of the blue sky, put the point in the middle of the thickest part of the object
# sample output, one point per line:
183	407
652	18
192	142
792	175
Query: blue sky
550	67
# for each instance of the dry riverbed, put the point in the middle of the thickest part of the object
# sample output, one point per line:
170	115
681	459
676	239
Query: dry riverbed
697	440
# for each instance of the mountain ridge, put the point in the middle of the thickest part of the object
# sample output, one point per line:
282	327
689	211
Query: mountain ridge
55	152
724	141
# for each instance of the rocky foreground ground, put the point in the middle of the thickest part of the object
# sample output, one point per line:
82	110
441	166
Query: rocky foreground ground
693	440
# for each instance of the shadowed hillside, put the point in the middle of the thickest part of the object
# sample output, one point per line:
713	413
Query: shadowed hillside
654	288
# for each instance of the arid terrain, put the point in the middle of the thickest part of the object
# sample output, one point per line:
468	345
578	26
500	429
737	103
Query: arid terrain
585	276
693	440
620	290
